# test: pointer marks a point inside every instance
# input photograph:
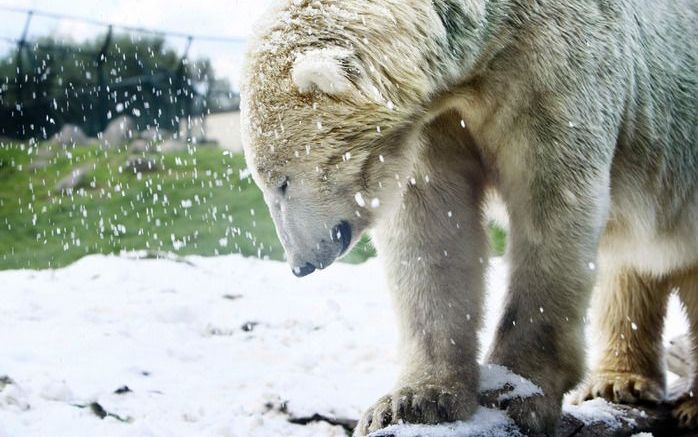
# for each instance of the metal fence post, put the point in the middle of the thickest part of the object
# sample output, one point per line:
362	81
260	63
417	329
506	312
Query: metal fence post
20	64
103	94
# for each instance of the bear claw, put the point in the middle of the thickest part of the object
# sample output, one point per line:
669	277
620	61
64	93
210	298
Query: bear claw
535	415
685	411
620	387
427	404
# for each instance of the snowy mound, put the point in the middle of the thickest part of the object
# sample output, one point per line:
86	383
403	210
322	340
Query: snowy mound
485	423
225	346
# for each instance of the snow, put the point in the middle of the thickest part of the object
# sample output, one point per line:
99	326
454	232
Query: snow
173	333
225	346
595	411
495	377
485	423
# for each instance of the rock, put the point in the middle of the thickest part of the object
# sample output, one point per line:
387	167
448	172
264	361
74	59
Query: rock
630	421
611	420
38	164
5	381
596	417
139	164
347	424
155	134
70	135
172	146
45	152
119	132
78	178
123	390
142	146
11	395
249	326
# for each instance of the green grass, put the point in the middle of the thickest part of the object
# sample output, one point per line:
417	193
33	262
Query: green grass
196	204
498	240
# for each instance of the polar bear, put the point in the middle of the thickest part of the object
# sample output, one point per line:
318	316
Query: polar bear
399	117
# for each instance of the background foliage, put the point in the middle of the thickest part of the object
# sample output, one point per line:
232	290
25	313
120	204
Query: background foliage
49	83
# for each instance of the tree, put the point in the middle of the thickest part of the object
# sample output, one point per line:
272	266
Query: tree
50	83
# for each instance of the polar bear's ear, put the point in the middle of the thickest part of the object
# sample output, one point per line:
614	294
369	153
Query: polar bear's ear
322	69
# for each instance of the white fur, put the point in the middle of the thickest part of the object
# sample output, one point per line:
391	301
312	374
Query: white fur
321	69
645	251
450	110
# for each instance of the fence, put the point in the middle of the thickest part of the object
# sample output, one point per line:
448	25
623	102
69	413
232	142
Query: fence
36	100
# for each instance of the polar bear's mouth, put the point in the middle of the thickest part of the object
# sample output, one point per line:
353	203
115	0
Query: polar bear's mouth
341	242
342	234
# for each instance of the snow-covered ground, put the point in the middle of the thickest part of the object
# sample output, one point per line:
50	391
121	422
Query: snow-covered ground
223	346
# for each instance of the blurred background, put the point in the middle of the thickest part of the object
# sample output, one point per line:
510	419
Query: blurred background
120	131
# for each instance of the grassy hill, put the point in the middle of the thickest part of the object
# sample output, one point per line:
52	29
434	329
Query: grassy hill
200	201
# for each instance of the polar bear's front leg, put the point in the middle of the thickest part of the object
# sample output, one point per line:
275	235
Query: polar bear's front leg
434	248
557	213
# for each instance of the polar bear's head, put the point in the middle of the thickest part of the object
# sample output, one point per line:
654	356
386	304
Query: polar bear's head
330	94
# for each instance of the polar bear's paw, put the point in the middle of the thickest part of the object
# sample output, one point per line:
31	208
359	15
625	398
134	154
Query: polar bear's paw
535	415
620	387
686	411
420	403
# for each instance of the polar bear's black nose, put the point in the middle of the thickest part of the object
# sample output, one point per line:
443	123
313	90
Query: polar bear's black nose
304	271
342	234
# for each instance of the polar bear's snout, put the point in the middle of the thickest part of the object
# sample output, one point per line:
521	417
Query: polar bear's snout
307	269
314	226
309	239
306	256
